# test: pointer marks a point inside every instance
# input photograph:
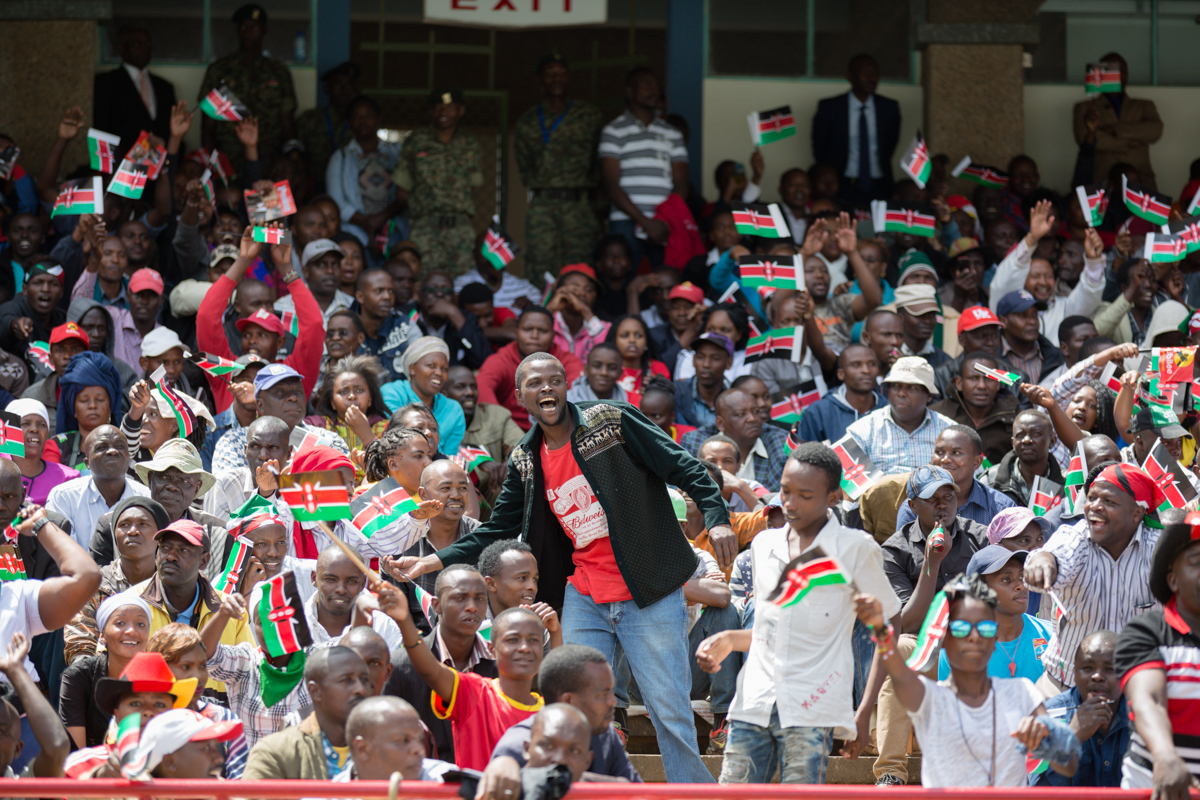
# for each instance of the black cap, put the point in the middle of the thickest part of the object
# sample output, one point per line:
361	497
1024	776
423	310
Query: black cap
553	58
1171	542
347	69
251	11
1144	421
445	95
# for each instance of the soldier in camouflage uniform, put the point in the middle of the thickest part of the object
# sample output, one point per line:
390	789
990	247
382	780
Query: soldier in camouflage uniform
323	131
263	84
556	143
439	166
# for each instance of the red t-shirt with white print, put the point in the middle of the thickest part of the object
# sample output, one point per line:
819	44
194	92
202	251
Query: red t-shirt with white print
583	519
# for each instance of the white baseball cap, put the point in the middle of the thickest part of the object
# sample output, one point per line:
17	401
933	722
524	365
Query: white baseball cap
914	370
160	340
172	729
317	248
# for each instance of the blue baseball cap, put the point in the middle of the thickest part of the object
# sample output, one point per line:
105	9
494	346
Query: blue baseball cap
993	558
1018	301
272	374
927	480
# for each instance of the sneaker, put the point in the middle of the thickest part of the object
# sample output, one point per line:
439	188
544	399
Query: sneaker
716	740
887	779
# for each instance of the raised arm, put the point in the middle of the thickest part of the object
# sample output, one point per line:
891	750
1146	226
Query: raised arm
908	686
61	597
49	732
1066	429
233	606
393	602
68	129
1146	690
868	282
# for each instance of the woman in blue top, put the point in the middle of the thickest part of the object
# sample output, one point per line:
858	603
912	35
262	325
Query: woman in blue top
427	362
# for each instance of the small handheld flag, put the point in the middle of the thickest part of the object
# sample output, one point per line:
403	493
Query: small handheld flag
916	161
756	219
1007	378
281	612
771	126
1163	248
1102	78
788	404
102	150
131	759
184	415
215	365
980	173
903	218
1044	495
8	161
1168	473
933	629
12	438
859	473
779	343
222	104
471	458
291	323
314	496
778	272
426	601
267	235
1194	204
1074	480
235	565
1145	203
1187	228
1094	202
12	568
809	571
497	248
130	180
41	352
80	199
210	191
382	507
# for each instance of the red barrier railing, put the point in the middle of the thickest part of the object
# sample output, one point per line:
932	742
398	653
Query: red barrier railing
412	790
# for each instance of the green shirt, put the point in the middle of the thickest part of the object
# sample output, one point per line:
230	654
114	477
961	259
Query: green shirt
265	87
562	155
439	177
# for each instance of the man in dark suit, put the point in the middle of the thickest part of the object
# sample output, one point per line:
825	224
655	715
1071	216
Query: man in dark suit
857	133
129	99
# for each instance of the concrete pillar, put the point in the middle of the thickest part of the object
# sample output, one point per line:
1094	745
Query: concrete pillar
685	76
331	29
47	63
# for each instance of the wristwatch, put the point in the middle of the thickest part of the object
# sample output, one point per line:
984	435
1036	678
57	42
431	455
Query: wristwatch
37	526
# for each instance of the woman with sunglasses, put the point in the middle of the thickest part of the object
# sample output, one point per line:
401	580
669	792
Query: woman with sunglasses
975	730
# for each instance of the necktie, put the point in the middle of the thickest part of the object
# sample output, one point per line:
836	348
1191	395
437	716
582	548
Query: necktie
144	87
864	152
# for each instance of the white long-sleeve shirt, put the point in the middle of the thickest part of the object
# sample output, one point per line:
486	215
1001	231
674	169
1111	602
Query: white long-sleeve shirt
1083	300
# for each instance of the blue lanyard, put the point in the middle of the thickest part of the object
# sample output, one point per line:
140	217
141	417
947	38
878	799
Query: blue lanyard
542	121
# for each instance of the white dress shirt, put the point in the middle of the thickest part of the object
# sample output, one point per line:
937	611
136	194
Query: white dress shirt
856	107
381	623
81	502
137	75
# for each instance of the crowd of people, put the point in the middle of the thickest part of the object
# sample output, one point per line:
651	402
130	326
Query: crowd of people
974	489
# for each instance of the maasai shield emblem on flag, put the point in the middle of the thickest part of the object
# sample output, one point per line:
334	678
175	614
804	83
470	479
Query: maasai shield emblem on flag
102	150
780	272
12	568
1188	229
756	219
497	248
980	173
281	612
80	199
787	405
902	218
183	412
470	458
1074	480
130	180
215	365
314	496
221	103
933	629
1044	495
1163	248
858	471
1146	203
1168	473
235	565
1094	202
771	126
916	161
12	438
382	507
809	571
778	343
1102	78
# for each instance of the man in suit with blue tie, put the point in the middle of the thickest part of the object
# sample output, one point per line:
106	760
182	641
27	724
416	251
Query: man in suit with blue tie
857	133
129	100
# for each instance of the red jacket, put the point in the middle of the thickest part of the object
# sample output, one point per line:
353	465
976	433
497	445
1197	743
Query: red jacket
684	241
497	378
305	358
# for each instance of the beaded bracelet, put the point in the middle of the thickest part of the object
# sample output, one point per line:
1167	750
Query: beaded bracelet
884	639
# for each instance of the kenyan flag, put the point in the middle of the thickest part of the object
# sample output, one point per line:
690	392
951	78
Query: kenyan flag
1164	248
547	292
235	565
222	104
1076	475
315	496
789	404
1044	495
80	199
916	161
102	150
805	573
381	507
210	191
1035	766
12	568
10	530
756	219
933	629
291	323
184	416
131	759
779	343
426	601
12	438
902	218
471	458
771	126
1173	364
1188	228
1102	78
281	612
779	272
1168	473
215	365
858	472
1146	203
497	248
130	180
1094	202
1007	378
272	235
41	353
979	173
1110	378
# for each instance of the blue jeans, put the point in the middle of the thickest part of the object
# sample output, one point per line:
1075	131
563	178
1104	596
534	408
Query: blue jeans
864	653
655	642
752	753
719	687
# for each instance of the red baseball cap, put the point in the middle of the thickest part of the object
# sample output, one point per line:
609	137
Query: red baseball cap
263	319
146	280
192	532
686	291
69	331
976	317
582	269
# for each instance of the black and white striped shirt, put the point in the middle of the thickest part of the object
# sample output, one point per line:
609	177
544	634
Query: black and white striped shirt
646	153
1098	593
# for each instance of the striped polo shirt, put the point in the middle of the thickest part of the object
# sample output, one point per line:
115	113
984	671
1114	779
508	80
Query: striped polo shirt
1160	639
646	153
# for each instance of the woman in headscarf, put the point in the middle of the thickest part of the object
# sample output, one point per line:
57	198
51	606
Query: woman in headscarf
349	403
102	336
89	396
427	362
124	624
137	521
38	475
